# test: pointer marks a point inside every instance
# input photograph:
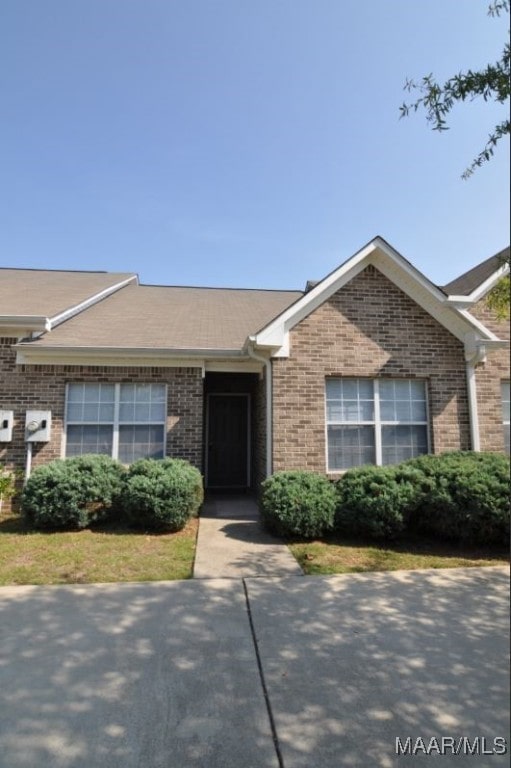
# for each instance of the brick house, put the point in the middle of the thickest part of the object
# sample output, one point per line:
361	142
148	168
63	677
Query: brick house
373	364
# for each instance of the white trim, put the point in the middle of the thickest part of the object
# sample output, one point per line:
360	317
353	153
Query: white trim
473	416
77	308
269	405
28	354
377	423
27	323
388	261
243	366
481	290
249	439
116	421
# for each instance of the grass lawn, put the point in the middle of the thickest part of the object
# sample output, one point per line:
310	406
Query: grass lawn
330	556
106	553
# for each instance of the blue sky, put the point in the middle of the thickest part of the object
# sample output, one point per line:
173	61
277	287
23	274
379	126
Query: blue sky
236	143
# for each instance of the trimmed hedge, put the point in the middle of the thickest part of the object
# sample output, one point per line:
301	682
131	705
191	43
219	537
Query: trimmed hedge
298	503
464	497
162	494
72	493
376	501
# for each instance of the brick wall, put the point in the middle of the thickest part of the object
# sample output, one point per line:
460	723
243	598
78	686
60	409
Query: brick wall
43	387
489	377
369	328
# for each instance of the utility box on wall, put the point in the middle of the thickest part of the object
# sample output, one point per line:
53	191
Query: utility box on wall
6	423
37	426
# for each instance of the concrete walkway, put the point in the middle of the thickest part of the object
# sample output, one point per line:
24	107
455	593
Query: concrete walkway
319	672
232	543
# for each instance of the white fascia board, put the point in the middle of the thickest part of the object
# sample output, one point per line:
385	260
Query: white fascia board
457	321
481	290
241	366
47	355
486	334
25	322
392	265
273	334
75	310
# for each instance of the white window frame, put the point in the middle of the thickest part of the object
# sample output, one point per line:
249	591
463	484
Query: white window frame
505	422
116	423
377	423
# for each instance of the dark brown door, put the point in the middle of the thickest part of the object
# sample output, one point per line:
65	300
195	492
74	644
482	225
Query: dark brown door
227	434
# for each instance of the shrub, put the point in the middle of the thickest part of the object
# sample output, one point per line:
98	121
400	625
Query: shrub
7	488
298	503
376	501
162	494
72	493
465	497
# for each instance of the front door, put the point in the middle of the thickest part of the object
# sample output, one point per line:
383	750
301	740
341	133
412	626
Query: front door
227	433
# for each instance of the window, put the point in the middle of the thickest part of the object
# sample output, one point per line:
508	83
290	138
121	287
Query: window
125	421
505	414
375	422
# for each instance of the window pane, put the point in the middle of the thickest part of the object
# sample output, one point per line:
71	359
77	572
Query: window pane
74	411
334	411
140	442
403	410
75	393
90	402
402	401
387	410
88	439
402	390
417	390
386	389
350	447
403	442
419	410
143	403
506	438
127	412
505	400
349	389
333	389
349	400
365	389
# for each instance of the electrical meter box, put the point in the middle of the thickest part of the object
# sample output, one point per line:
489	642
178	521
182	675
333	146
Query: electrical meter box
6	423
37	426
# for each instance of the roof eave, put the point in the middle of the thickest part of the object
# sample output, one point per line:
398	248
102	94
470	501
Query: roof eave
26	322
28	349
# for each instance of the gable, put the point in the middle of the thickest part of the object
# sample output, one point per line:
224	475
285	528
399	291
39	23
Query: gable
379	254
370	318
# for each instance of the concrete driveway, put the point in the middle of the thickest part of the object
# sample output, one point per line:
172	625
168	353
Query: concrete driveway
317	672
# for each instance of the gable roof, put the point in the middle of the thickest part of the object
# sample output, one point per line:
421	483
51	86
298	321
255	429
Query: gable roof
126	320
41	298
142	317
381	255
467	283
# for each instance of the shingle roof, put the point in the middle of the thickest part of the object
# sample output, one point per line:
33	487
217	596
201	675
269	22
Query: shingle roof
154	317
50	292
465	284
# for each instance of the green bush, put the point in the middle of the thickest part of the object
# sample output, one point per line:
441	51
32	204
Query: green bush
6	484
376	501
464	498
162	494
72	493
298	503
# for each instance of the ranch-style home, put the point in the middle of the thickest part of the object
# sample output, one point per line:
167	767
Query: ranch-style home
372	364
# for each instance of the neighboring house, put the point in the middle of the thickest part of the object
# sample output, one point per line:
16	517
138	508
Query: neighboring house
373	364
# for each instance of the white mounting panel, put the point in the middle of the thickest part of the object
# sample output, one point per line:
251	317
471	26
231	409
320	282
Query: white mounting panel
6	423
37	426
